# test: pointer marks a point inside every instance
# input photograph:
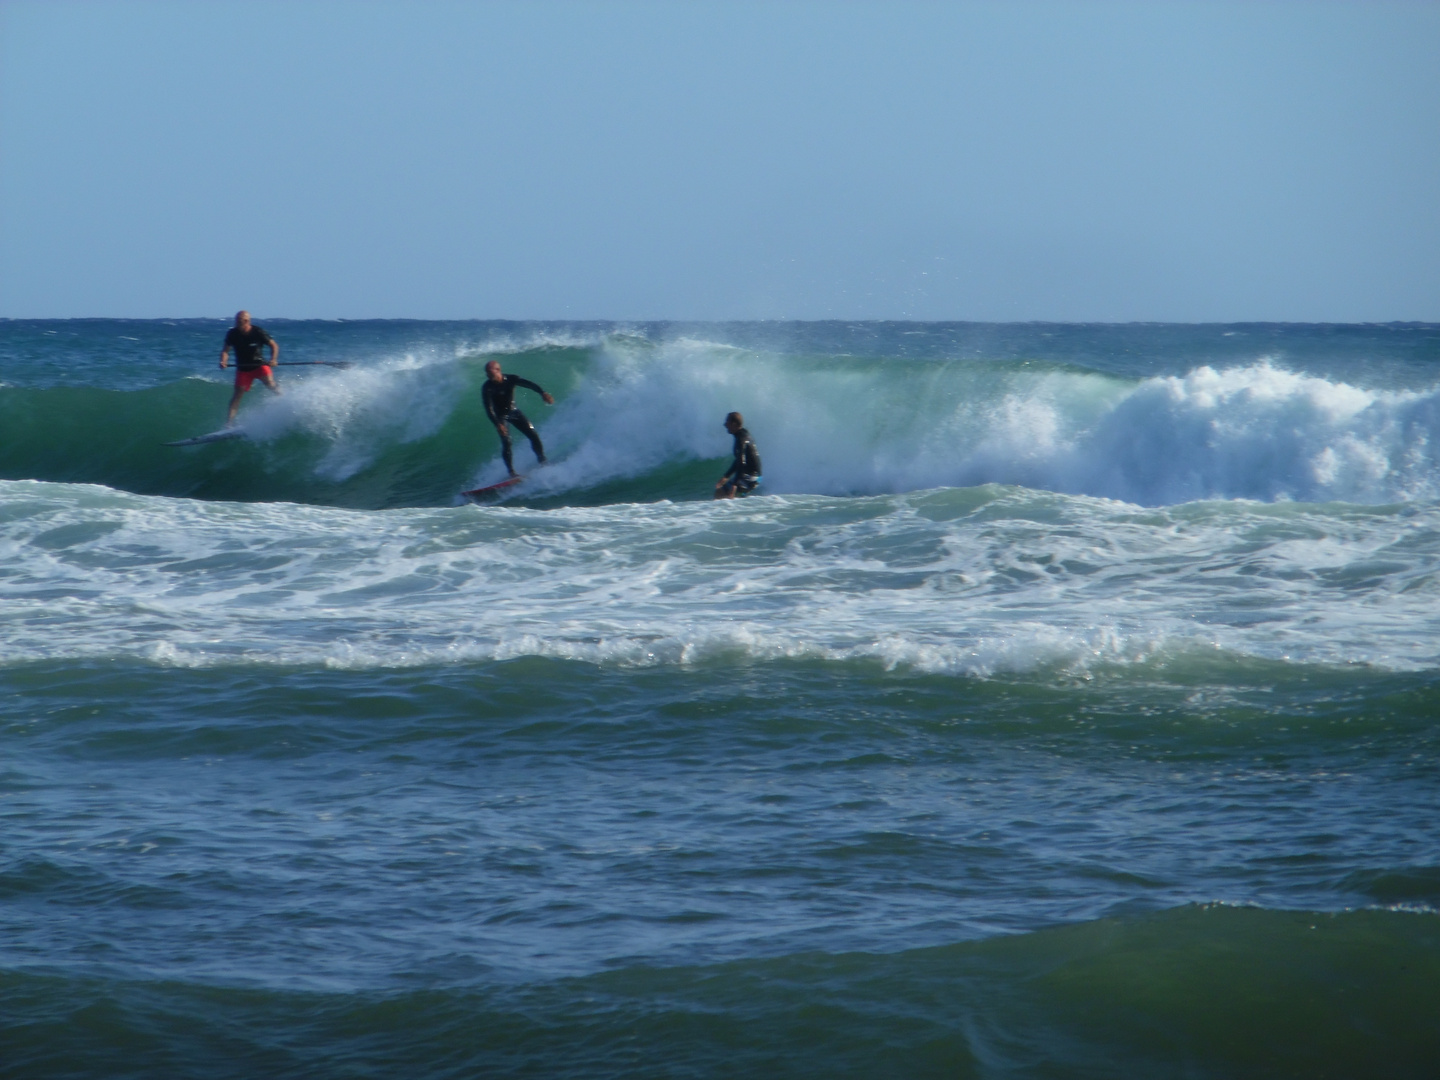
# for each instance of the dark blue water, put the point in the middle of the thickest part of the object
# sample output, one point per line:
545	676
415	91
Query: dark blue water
1066	708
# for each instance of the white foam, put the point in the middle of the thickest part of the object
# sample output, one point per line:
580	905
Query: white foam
971	583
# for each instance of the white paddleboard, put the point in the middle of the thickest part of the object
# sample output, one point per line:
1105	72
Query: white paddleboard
223	435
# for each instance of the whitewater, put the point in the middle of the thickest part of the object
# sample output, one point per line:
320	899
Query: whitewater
1067	696
968	582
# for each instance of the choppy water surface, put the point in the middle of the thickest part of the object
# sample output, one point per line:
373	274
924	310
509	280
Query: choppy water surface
1066	708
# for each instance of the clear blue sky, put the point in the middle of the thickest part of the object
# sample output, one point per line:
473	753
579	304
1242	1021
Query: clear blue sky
691	159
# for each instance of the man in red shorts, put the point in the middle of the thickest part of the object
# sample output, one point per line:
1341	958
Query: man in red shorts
247	339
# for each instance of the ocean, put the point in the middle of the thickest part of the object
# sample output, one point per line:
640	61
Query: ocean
1066	704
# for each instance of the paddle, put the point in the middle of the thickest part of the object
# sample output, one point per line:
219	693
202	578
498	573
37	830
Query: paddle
315	363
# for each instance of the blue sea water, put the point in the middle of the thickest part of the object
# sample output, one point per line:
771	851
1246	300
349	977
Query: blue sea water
1067	706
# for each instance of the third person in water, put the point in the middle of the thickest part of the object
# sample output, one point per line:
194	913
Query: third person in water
744	473
499	396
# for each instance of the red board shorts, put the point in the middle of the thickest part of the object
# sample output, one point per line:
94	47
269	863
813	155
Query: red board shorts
244	379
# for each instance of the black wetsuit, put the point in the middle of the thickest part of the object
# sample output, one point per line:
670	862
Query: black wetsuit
499	400
744	471
248	345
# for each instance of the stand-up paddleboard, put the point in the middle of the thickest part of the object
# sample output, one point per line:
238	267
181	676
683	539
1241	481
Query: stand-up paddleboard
492	489
223	435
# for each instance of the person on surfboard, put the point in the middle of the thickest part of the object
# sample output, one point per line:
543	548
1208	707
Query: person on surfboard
743	476
499	397
247	340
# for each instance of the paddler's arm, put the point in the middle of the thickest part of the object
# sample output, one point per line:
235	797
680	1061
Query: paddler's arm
274	351
223	353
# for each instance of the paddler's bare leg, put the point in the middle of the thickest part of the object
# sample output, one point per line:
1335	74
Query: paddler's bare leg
234	406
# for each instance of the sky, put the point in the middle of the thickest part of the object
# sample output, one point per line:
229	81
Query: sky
721	159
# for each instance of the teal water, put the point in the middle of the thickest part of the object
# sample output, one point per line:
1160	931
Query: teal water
1067	709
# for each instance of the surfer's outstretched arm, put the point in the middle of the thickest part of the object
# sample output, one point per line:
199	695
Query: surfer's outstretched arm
533	386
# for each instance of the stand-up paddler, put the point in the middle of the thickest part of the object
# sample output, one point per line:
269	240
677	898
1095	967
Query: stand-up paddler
247	340
499	396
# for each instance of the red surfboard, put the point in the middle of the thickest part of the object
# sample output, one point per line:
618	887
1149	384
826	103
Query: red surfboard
492	489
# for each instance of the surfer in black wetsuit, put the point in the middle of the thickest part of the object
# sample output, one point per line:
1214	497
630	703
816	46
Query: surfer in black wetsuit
247	340
744	473
499	395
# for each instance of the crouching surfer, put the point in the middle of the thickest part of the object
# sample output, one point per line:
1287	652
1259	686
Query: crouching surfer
499	397
247	340
743	476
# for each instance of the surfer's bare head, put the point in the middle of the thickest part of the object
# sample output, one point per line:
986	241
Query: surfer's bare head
492	369
242	319
734	421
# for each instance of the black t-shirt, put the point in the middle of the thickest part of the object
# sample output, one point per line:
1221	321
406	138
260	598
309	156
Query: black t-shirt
248	345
